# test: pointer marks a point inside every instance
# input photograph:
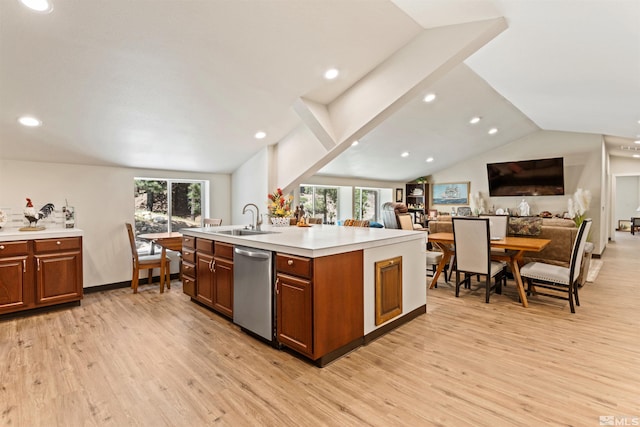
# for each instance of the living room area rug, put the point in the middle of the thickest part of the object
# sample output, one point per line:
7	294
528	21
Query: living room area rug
594	269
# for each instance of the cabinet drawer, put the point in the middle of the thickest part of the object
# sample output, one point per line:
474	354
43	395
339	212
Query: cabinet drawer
189	286
48	245
13	248
294	265
224	250
204	245
189	255
188	242
189	269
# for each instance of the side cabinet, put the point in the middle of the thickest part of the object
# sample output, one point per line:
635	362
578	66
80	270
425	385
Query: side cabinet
320	303
40	272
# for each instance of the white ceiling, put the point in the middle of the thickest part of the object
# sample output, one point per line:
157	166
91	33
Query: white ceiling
184	84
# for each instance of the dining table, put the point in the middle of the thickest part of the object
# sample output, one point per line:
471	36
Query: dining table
514	246
166	240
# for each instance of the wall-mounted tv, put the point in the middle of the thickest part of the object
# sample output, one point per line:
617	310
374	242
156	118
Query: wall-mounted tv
542	177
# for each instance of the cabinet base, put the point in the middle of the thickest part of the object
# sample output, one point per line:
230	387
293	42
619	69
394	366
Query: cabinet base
36	310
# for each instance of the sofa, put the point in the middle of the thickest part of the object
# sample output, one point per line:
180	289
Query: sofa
561	232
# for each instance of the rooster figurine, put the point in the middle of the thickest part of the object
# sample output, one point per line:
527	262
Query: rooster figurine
34	216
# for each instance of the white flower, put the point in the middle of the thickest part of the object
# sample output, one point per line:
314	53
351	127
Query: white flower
579	205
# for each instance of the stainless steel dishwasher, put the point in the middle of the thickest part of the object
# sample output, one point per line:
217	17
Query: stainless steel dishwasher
253	291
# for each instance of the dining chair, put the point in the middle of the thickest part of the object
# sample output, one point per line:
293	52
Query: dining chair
315	221
145	262
472	242
212	222
558	281
405	221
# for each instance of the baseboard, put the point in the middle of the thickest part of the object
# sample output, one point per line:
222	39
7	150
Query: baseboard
125	284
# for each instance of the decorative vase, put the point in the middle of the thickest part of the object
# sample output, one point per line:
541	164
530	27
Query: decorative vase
280	221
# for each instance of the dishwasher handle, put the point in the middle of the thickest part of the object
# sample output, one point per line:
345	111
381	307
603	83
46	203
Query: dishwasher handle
252	254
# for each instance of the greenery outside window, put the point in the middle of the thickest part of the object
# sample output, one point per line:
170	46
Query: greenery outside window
366	203
165	205
320	202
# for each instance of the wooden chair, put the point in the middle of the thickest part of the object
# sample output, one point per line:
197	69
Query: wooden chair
635	225
473	254
212	222
559	282
146	262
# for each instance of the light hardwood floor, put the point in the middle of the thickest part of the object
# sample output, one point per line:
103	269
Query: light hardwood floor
156	359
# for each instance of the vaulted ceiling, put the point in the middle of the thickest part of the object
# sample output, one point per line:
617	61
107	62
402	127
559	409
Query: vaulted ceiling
185	85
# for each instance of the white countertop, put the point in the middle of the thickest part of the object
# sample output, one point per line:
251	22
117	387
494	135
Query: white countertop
13	234
315	241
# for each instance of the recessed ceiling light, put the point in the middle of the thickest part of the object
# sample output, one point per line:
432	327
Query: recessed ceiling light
354	143
429	159
38	5
260	135
405	154
331	73
429	97
474	120
637	142
493	131
636	156
29	121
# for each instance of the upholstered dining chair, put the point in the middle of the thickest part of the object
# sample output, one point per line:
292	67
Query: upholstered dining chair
212	222
473	255
557	281
145	262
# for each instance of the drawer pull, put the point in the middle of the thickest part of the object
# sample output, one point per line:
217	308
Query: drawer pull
1	247
58	242
290	262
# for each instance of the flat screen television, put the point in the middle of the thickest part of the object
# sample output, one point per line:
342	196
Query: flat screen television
542	177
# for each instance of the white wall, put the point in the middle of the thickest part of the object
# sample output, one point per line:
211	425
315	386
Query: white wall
103	199
627	190
250	184
583	160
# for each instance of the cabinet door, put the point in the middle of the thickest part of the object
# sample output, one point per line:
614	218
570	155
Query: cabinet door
15	284
223	286
204	279
294	313
58	277
388	289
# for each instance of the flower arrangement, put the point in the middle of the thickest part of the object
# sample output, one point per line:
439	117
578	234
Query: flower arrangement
579	205
279	205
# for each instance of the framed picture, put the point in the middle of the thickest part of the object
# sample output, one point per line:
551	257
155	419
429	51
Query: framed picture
433	213
624	225
452	193
399	195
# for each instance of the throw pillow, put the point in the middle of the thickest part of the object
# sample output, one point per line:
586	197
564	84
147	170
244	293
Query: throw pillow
525	225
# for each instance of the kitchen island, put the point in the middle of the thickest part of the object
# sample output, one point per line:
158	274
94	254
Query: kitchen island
336	288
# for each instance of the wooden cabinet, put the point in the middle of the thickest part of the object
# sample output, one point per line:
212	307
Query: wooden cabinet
223	279
417	200
16	283
388	289
38	273
294	311
58	270
319	303
189	266
212	275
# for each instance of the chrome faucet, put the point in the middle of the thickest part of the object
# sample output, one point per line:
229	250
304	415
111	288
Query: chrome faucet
256	222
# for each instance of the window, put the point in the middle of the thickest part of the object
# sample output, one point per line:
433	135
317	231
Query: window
320	202
165	205
366	204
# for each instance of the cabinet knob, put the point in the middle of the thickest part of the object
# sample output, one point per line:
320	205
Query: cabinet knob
290	262
58	242
1	247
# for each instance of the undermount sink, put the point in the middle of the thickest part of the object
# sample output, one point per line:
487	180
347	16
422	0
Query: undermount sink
243	232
